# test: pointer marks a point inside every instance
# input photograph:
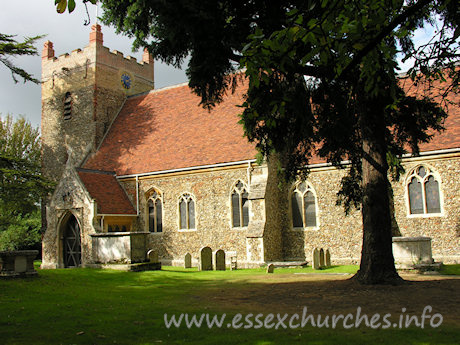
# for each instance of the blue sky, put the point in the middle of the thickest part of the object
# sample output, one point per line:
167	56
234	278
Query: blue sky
67	32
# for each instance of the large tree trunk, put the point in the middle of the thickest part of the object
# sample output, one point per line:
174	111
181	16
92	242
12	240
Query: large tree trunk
377	262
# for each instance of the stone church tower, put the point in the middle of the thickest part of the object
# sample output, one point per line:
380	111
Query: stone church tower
82	92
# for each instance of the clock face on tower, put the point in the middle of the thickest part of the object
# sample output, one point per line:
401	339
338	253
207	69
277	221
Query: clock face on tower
125	81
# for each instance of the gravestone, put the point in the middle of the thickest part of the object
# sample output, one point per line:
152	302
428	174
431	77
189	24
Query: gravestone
328	258
270	268
20	264
152	256
206	259
188	261
409	252
315	259
233	263
321	258
220	260
17	263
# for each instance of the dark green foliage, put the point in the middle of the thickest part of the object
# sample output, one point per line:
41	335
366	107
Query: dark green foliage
18	232
211	32
9	47
278	117
343	81
409	122
21	184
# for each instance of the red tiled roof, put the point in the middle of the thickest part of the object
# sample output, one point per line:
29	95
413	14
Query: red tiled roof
104	187
450	137
168	129
447	139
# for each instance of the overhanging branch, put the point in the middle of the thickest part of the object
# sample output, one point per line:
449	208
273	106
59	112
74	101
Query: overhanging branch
386	31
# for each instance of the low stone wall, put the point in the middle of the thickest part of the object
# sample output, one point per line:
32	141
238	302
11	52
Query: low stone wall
119	247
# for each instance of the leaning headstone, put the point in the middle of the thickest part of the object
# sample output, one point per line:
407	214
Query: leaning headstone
152	256
270	268
321	258
206	259
188	261
220	260
315	259
328	258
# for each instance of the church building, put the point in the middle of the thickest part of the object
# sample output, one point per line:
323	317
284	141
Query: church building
139	169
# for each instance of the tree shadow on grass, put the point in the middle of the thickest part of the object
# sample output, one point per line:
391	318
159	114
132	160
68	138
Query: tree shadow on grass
129	307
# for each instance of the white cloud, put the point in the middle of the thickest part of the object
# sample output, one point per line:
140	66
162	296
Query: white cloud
28	18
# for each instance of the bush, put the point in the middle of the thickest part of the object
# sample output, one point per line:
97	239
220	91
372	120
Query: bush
21	232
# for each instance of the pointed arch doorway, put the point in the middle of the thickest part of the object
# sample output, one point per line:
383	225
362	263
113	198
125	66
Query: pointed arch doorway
71	243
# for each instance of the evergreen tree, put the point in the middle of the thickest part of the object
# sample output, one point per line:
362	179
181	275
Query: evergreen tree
10	47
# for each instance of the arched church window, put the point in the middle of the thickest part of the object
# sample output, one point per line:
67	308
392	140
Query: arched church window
423	191
240	205
155	212
67	106
303	206
186	212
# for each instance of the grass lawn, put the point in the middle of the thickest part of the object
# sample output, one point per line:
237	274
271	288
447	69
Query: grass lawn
88	306
450	270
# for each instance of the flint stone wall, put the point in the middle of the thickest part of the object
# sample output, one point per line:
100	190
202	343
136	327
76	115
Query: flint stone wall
443	230
343	234
211	190
68	198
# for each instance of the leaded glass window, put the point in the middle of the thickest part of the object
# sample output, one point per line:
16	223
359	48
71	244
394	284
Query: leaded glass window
155	214
303	206
423	192
186	212
415	196
240	205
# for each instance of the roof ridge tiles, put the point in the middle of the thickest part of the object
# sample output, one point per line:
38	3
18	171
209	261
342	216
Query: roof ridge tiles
95	171
176	86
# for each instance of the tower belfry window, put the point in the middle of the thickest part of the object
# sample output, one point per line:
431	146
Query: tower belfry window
68	106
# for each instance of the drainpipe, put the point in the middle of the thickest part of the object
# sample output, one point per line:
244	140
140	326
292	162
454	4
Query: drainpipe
102	224
137	195
249	174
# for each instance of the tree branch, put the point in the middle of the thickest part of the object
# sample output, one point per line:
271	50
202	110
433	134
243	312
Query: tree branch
386	31
312	71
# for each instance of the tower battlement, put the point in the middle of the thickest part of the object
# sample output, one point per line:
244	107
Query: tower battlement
82	92
95	53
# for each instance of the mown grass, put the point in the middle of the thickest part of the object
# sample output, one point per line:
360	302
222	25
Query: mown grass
88	306
450	270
